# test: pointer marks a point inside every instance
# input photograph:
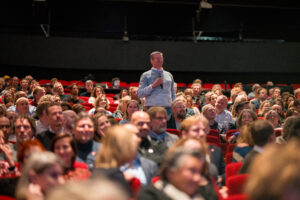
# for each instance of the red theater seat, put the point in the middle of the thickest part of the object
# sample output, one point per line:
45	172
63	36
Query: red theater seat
236	184
173	131
232	169
228	158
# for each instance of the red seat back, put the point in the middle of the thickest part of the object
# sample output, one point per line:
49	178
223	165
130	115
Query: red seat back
214	132
236	184
232	169
212	139
173	131
228	158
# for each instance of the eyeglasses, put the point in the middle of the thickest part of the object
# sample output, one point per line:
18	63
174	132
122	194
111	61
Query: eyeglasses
160	118
4	126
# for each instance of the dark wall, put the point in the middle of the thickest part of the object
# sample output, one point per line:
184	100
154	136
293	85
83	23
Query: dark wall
105	54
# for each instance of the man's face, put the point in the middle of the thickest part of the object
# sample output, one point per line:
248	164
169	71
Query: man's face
276	93
221	104
22	107
210	113
262	94
142	122
84	130
89	86
15	81
23	130
5	127
59	89
179	110
196	89
159	123
157	60
55	117
197	130
74	90
39	94
24	83
134	93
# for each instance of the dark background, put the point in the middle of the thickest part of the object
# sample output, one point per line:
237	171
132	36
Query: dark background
248	41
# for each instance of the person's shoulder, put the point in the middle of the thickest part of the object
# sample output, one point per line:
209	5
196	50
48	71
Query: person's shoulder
147	160
152	193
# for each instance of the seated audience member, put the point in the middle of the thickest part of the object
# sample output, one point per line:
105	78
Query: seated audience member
58	89
244	144
216	88
38	92
254	92
69	116
279	167
297	93
97	91
188	91
83	131
6	127
78	108
209	112
24	86
121	109
8	99
131	107
89	85
246	116
148	148
55	119
273	117
197	126
42	172
22	106
190	105
102	102
7	164
101	125
133	95
173	183
207	97
292	112
213	99
264	108
42	123
206	186
223	116
73	98
238	106
48	88
178	107
290	130
121	94
115	83
295	104
118	147
64	146
141	168
158	126
288	100
198	95
98	189
65	106
262	133
275	95
262	96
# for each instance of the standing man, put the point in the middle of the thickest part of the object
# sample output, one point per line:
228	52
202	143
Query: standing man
156	84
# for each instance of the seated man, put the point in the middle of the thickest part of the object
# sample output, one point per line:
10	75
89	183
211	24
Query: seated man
89	86
262	96
73	98
262	133
209	112
223	117
178	108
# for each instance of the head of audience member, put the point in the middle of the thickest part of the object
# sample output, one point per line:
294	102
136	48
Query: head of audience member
43	170
273	117
213	99
116	82
8	99
5	126
262	94
78	108
157	59
11	115
207	96
28	148
95	189
20	94
278	109
125	92
216	87
276	93
234	93
297	93
278	101
2	110
131	107
189	102
15	82
254	88
175	87
41	112
291	128
33	84
123	104
264	107
69	116
64	146
178	108
66	106
55	117
245	117
279	167
97	91
24	128
133	93
292	112
101	123
288	100
295	104
24	84
182	168
197	88
100	110
38	92
53	81
89	85
58	88
188	91
29	78
101	101
118	147
74	90
158	117
239	106
209	112
262	132
22	106
245	136
83	128
221	104
142	121
194	126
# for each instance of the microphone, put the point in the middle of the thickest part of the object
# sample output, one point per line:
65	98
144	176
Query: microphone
161	85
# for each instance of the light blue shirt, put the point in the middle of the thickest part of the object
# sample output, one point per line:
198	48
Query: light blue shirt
159	137
223	120
158	96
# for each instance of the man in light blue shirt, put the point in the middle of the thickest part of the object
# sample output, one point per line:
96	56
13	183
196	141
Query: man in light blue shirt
156	84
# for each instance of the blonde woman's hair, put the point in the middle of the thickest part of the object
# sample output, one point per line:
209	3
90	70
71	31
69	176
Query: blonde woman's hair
190	121
118	147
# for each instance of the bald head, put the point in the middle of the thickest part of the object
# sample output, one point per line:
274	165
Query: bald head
142	121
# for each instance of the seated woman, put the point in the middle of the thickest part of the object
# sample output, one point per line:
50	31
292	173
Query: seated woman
180	175
264	107
131	107
42	172
206	187
123	93
97	91
101	101
65	147
118	147
101	125
121	109
190	104
273	117
244	144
